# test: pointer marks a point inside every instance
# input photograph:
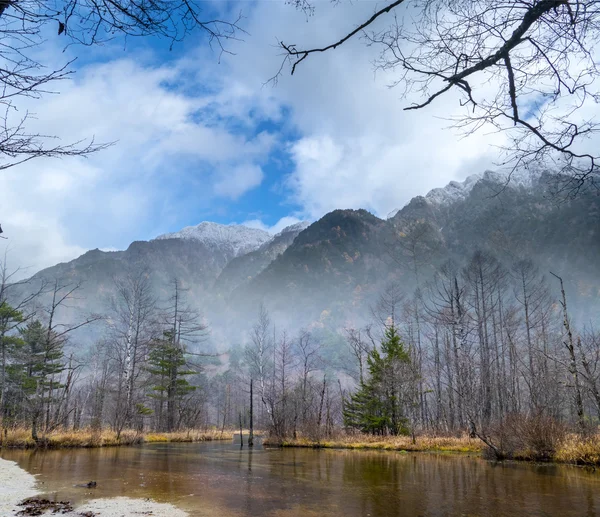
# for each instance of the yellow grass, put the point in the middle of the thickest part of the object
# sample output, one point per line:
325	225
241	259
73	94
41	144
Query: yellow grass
21	438
390	443
190	435
579	450
575	449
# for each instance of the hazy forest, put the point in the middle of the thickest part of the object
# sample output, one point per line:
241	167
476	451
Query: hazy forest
483	348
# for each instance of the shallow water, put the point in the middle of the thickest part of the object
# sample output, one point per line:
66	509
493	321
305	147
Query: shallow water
217	479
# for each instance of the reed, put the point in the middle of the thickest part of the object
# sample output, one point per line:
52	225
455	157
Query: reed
388	443
88	437
579	450
573	449
189	435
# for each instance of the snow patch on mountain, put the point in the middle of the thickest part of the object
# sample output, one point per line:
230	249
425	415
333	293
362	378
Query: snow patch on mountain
236	239
453	192
459	190
294	228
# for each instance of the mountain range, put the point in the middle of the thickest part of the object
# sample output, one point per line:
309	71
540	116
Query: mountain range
329	272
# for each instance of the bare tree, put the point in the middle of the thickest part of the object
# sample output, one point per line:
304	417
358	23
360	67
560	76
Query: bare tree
307	351
388	306
573	361
259	356
535	58
359	347
132	327
23	27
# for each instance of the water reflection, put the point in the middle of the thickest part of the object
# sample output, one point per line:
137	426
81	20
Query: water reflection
224	480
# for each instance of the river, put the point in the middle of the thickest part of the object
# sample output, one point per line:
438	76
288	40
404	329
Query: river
218	479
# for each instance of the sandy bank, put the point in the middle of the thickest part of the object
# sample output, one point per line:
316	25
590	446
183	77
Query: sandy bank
16	484
126	507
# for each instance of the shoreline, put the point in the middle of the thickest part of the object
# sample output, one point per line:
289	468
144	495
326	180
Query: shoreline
462	445
574	450
17	485
88	439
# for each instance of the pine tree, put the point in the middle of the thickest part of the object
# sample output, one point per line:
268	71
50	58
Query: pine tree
43	365
10	319
377	407
166	363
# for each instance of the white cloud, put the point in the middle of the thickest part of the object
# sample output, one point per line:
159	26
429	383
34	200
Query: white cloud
191	138
53	210
239	180
357	146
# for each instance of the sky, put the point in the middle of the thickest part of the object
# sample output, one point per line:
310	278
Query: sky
200	136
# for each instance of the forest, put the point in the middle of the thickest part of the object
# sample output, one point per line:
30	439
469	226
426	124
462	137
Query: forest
483	349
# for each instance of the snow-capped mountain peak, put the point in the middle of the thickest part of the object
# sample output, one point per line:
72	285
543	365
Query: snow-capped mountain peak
459	190
454	191
236	239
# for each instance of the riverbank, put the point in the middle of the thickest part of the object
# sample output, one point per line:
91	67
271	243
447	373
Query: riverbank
388	443
88	438
573	450
18	486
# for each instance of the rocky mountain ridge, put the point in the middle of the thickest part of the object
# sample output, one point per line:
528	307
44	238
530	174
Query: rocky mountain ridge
330	271
236	239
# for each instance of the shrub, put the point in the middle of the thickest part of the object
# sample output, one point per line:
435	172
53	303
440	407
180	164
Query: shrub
536	437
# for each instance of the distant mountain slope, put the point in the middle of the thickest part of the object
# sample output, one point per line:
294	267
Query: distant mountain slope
240	270
331	271
195	265
340	262
513	221
334	264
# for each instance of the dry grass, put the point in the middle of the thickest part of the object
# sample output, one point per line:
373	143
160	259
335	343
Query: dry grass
190	435
390	443
573	449
21	438
579	450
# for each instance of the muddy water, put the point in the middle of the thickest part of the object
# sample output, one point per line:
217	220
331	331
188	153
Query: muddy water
217	479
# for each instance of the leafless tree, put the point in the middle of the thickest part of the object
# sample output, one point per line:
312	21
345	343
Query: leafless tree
54	337
259	354
24	26
525	67
132	327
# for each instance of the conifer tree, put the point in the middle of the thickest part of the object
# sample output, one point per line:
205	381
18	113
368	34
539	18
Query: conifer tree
10	319
378	405
167	365
42	364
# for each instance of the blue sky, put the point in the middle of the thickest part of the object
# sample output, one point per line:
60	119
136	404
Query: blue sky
198	139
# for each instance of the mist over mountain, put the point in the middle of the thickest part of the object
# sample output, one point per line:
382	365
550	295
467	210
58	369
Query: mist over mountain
328	273
242	269
341	262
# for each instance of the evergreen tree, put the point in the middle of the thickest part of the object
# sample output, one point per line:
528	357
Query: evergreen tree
378	405
166	364
10	319
40	371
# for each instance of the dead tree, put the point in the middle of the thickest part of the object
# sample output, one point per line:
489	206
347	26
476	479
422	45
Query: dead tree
570	346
